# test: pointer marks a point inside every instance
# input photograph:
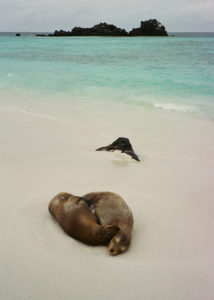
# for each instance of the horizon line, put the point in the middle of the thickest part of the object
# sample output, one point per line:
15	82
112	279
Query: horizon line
62	29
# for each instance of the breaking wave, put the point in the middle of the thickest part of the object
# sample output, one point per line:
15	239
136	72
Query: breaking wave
175	107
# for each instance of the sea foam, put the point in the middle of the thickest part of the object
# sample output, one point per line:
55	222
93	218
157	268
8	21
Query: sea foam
175	107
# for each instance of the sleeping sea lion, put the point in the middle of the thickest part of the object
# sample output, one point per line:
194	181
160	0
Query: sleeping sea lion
110	209
77	220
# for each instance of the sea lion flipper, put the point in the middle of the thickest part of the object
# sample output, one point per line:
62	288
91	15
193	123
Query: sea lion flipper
107	233
110	231
112	228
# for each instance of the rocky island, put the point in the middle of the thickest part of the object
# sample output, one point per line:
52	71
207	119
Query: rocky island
150	27
102	29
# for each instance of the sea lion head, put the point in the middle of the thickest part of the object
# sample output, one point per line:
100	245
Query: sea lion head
119	243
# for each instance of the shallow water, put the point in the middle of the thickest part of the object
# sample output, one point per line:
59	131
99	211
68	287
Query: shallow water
172	73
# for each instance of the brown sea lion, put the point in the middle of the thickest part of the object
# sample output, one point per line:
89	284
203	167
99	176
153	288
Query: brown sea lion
77	220
110	209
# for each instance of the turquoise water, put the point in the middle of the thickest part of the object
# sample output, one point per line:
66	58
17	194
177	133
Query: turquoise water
174	73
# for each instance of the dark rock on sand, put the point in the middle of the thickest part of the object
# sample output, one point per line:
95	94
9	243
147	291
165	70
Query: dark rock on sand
122	144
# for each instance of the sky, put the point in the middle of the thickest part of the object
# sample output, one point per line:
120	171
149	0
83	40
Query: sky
48	15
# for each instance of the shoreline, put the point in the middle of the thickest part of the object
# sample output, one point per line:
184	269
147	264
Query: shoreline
170	194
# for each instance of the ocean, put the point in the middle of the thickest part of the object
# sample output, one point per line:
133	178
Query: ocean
170	73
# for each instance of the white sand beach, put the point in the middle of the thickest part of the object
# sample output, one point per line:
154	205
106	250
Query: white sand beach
170	193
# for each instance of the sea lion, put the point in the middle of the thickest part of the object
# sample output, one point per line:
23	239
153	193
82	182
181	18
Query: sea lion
110	209
75	217
122	144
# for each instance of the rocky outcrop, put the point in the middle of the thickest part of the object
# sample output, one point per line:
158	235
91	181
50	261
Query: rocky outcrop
102	29
122	144
60	33
149	28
